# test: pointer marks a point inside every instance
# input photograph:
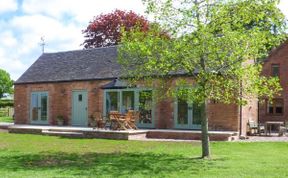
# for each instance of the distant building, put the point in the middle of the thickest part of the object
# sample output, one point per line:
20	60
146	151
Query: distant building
276	65
7	96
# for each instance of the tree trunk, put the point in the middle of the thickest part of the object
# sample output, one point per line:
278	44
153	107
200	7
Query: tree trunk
205	136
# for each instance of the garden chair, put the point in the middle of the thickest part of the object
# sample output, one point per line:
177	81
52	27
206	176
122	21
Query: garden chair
131	118
261	128
283	129
117	121
100	120
128	119
135	118
97	120
255	128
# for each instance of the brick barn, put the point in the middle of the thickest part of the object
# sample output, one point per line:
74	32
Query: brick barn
75	84
276	65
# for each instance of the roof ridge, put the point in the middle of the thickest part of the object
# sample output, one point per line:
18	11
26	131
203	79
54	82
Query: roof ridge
77	50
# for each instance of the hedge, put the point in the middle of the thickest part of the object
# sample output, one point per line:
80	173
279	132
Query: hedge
6	103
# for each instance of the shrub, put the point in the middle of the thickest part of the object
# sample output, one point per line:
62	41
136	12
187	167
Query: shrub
6	103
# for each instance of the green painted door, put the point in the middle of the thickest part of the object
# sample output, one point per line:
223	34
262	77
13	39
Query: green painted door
187	116
79	108
39	108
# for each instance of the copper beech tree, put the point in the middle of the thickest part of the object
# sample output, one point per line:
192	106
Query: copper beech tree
105	29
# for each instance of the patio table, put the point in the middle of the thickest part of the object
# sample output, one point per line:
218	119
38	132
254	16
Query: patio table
118	120
270	123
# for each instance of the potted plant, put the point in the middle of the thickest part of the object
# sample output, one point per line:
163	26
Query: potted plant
60	120
93	121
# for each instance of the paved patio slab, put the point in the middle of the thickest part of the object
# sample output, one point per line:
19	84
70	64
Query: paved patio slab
5	125
272	138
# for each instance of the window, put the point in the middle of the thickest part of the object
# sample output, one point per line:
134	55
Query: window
276	107
275	70
79	98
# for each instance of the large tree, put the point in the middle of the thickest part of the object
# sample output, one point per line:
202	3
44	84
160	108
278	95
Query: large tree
6	83
216	43
105	29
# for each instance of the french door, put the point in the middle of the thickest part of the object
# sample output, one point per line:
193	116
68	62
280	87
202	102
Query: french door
146	109
122	100
39	108
187	116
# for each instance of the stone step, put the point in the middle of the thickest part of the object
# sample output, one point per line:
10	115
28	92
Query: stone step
139	136
5	125
65	129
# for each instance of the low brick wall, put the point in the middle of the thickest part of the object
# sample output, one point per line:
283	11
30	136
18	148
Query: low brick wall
123	135
25	130
103	134
188	135
5	125
106	135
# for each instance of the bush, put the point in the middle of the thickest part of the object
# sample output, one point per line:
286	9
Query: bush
6	103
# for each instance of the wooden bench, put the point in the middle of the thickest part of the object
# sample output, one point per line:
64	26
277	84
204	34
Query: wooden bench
253	126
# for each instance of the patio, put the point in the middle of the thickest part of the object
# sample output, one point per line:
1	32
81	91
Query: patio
268	128
77	132
141	134
272	138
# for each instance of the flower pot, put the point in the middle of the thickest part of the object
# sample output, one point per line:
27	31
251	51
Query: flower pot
93	123
60	122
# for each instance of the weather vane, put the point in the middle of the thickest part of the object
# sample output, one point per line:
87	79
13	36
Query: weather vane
42	43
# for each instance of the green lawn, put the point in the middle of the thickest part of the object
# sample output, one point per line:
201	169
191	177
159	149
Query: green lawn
46	156
6	119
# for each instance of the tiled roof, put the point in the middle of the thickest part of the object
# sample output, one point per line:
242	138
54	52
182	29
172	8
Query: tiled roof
91	64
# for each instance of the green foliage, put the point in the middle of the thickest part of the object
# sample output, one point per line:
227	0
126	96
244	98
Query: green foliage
6	103
218	43
6	119
5	83
24	155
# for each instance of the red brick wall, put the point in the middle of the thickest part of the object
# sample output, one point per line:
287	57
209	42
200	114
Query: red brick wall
278	56
249	112
60	99
21	104
164	114
221	117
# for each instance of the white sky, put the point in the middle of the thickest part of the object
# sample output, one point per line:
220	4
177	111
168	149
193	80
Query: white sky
24	22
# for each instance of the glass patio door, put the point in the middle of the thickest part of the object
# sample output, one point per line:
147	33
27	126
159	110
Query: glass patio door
122	100
39	108
187	116
145	107
198	114
128	101
112	102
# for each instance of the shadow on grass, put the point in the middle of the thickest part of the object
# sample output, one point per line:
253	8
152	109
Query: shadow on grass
105	164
